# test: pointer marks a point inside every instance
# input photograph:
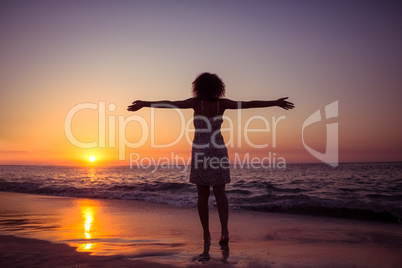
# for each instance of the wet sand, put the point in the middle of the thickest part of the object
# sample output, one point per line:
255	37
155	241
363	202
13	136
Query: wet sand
45	231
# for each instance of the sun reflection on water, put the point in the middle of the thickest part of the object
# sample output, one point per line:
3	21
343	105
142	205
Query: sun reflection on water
88	212
92	174
88	246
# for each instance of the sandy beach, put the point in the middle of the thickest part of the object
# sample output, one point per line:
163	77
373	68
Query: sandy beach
46	231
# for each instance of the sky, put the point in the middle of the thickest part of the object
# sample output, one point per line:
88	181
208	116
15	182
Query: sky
96	57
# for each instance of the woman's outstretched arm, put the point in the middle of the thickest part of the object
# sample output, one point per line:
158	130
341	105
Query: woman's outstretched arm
183	104
282	102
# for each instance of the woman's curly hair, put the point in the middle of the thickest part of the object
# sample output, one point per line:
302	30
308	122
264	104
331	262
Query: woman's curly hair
208	86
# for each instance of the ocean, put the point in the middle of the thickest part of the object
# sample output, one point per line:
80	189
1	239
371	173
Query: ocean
364	191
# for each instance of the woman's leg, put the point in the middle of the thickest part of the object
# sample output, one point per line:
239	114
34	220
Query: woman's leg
203	196
223	210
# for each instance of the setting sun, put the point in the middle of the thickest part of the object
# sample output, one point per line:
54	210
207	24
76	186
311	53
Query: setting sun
92	158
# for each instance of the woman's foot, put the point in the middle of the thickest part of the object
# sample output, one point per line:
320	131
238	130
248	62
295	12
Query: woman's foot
224	239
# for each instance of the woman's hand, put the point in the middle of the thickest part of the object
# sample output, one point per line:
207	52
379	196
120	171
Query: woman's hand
284	104
138	104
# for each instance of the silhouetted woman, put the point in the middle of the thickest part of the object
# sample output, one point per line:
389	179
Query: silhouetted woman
210	162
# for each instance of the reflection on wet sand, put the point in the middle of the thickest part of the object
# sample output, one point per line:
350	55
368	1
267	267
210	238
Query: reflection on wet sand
105	227
88	216
163	234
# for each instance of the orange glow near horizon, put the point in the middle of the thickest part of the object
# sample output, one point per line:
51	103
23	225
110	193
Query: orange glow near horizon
288	141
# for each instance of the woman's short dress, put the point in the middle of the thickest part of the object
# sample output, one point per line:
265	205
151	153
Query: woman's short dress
209	155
